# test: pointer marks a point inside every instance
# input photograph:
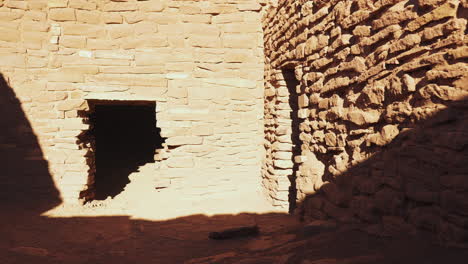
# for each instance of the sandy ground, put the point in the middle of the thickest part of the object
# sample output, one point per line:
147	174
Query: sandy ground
110	232
119	239
166	227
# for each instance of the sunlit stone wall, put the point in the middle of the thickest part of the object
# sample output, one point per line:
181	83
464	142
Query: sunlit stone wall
200	61
383	112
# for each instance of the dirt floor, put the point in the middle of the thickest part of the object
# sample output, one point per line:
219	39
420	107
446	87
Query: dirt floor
145	225
27	237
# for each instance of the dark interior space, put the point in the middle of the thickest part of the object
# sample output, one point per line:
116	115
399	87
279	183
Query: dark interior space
126	137
292	83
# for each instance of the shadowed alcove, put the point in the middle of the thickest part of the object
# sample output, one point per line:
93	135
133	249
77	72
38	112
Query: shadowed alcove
291	85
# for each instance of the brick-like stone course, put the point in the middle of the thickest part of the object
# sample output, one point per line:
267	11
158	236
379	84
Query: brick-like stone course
382	120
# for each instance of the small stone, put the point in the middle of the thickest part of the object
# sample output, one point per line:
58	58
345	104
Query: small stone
409	83
330	139
360	117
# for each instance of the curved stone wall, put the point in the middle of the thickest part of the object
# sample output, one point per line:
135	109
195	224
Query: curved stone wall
382	94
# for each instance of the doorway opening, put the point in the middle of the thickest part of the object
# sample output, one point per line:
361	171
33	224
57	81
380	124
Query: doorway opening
125	137
292	85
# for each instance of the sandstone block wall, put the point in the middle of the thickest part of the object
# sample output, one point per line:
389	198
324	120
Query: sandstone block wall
200	61
382	119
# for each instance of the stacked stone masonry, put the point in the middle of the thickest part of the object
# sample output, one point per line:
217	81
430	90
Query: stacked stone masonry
200	61
383	112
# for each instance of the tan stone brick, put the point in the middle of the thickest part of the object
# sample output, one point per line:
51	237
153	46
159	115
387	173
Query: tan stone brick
12	60
151	58
137	70
71	104
85	69
34	40
57	3
100	44
38	4
152	6
120	31
173	29
239	40
64	76
130	79
184	140
145	28
238	56
178	92
249	7
62	14
180	66
10	16
242	28
196	19
134	17
180	162
114	55
204	41
145	42
176	41
227	18
72	124
154	91
35	26
189	9
16	4
202	130
83	4
216	8
362	31
112	18
54	40
102	88
60	86
35	15
162	18
92	31
10	25
202	30
37	62
120	6
73	42
10	35
90	17
205	92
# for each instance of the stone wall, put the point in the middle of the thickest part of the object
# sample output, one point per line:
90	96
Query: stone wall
382	119
200	61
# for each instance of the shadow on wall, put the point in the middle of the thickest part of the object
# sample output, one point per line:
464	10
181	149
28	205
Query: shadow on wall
291	84
420	177
24	173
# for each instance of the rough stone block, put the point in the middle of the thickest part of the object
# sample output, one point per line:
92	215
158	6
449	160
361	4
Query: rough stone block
10	35
62	14
184	140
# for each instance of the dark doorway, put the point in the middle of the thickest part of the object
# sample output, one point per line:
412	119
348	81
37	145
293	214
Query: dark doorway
126	138
292	83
